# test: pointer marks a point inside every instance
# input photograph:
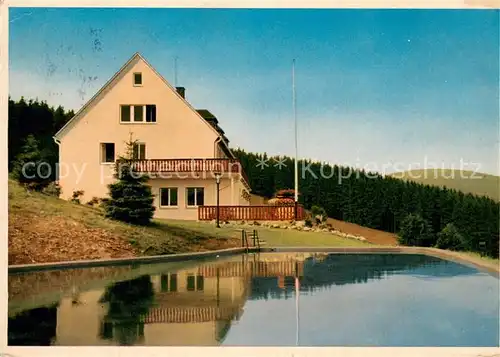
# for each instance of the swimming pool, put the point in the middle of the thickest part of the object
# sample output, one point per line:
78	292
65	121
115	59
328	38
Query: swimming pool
263	299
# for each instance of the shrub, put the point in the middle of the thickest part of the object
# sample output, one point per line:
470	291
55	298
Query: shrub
52	189
450	238
308	222
287	193
94	201
75	198
415	231
319	214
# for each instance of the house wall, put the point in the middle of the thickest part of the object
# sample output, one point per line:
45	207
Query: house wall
187	334
179	132
256	200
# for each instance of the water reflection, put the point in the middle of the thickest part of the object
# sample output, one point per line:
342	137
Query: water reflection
35	327
199	305
128	302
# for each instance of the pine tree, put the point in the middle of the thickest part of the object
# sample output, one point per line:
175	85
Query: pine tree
131	199
30	167
415	231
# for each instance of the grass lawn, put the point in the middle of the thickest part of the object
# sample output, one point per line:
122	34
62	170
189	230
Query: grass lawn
275	237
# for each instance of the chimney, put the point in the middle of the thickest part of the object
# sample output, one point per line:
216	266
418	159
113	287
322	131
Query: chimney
181	91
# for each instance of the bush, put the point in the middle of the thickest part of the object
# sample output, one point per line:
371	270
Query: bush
319	214
286	193
308	222
450	238
52	189
94	201
415	231
75	198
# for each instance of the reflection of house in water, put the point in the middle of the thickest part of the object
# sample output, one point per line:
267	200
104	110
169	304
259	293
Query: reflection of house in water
197	306
190	307
193	308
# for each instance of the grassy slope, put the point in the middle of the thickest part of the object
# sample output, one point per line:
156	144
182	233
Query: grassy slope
46	229
465	181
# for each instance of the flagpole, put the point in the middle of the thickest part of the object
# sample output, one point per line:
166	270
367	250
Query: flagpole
294	99
297	282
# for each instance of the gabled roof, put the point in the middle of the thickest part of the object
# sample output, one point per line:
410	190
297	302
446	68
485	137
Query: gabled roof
110	83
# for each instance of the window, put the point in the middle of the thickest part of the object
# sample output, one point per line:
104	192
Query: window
200	280
125	113
164	282
168	196
139	151
195	196
190	282
151	113
169	283
173	282
107	152
137	79
138	113
195	282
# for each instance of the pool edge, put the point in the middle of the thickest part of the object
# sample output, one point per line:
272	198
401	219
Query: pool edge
434	252
21	268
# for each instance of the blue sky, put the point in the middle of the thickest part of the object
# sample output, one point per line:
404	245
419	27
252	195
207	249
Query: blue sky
386	90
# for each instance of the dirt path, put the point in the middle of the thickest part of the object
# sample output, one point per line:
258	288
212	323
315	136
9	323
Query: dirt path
372	235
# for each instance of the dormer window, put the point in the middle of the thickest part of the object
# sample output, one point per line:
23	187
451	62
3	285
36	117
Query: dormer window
138	79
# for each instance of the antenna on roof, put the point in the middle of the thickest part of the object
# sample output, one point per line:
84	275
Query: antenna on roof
175	71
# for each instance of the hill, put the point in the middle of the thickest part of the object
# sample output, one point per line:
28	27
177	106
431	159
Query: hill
462	180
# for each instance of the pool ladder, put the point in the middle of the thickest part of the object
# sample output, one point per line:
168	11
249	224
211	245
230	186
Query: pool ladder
253	236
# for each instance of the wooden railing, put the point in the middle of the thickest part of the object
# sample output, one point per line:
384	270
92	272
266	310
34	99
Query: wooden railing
152	166
251	213
188	165
190	314
253	269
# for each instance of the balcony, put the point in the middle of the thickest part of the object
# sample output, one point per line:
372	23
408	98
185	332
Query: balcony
195	166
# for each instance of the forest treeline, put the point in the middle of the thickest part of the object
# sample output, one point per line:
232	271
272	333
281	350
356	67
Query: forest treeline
367	199
383	203
35	118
